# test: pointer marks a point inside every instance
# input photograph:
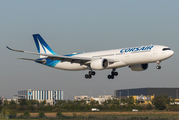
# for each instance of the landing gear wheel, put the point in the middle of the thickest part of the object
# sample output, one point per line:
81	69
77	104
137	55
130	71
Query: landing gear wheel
88	76
112	76
109	76
113	73
93	73
158	67
116	73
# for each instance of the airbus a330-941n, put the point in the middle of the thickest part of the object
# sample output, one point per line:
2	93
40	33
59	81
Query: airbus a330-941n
137	58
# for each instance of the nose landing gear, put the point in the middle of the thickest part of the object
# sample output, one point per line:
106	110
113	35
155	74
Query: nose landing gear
158	66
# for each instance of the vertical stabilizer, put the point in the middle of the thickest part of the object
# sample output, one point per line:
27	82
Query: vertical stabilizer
42	46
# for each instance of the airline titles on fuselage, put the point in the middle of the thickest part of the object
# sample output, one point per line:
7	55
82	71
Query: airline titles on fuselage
137	49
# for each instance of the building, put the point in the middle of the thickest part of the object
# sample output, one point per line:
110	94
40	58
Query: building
100	99
106	96
170	92
82	97
49	95
143	99
103	98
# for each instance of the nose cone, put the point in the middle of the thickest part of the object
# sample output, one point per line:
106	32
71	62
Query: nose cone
170	53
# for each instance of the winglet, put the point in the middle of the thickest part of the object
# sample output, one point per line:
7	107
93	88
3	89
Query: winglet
14	49
8	47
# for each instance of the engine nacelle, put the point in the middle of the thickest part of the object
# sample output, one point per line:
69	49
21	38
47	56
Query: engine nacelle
99	64
139	67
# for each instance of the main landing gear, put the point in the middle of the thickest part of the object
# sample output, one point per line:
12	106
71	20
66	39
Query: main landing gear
91	73
113	73
158	66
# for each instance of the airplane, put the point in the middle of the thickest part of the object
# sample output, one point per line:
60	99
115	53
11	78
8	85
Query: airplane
137	58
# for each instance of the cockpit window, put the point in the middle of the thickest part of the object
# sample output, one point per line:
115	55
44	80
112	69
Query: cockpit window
166	49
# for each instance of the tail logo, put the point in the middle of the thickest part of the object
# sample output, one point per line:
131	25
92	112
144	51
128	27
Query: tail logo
42	46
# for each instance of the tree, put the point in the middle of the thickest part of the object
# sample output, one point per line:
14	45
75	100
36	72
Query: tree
42	103
104	103
60	102
26	114
59	114
87	107
93	102
48	108
112	107
83	102
23	102
1	107
32	102
115	101
160	102
6	102
130	100
12	102
149	107
0	101
123	100
9	113
109	101
41	114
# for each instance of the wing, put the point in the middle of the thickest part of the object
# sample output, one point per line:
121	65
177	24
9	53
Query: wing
71	59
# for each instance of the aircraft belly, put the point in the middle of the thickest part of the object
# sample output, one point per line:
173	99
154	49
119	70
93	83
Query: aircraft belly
138	58
117	65
70	66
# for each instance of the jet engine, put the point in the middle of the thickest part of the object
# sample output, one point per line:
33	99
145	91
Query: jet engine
139	67
99	64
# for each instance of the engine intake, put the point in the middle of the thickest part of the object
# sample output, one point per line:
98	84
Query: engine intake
99	64
139	67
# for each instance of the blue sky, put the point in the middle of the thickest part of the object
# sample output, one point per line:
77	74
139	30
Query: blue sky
83	26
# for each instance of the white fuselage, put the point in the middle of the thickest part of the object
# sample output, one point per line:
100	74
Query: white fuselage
122	57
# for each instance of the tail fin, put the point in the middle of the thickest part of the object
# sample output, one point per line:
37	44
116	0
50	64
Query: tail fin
42	46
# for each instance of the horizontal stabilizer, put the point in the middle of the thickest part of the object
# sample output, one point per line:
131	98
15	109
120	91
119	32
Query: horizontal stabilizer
42	61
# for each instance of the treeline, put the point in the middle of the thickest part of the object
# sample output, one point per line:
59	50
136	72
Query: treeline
159	103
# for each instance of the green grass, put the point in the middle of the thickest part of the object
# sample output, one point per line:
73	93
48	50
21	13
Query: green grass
136	116
2	116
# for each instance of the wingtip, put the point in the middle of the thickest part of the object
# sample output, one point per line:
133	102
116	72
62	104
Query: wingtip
14	49
8	47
